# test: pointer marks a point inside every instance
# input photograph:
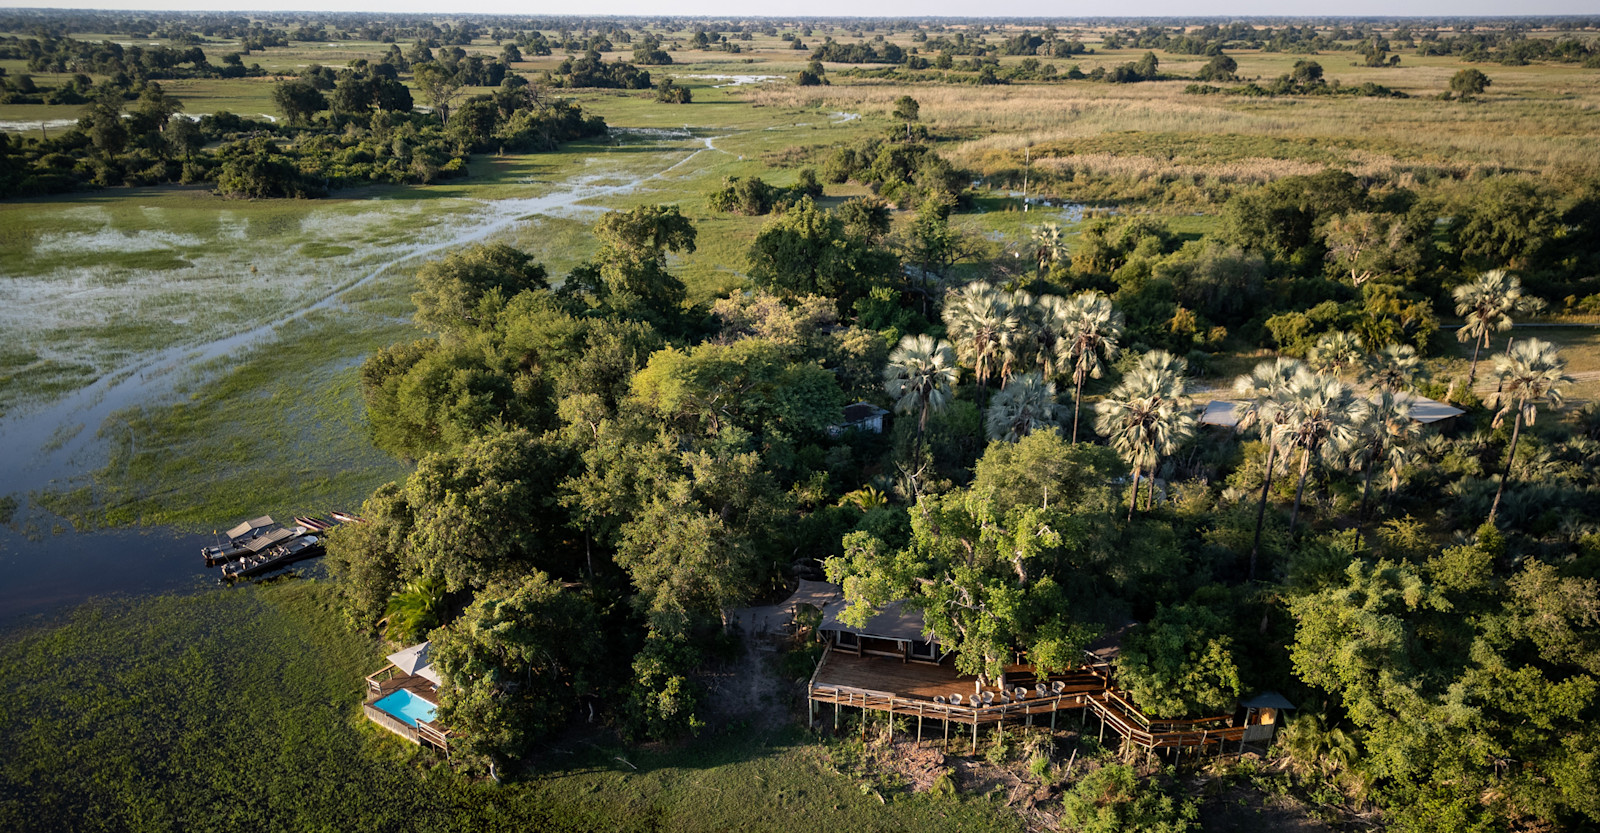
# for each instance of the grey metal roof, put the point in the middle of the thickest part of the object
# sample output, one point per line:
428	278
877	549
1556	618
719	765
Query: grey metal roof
894	621
276	536
1269	700
251	526
862	411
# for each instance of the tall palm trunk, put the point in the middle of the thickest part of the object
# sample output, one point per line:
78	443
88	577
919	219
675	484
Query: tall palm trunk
1511	454
1261	510
1299	490
1366	488
1150	492
1472	371
1132	501
1077	403
1500	388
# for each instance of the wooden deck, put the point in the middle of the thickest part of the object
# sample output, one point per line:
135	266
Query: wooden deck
382	684
924	681
910	689
420	686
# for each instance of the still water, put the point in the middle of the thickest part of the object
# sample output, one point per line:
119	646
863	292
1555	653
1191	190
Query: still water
44	571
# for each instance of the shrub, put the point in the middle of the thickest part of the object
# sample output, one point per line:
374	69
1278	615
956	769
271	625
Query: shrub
1112	800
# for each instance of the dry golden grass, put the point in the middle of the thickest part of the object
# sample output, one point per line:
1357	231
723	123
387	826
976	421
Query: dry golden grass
1537	119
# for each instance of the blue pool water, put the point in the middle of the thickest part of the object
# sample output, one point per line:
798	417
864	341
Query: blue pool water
408	707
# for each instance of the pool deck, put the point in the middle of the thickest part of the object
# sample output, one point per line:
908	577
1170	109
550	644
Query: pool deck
424	733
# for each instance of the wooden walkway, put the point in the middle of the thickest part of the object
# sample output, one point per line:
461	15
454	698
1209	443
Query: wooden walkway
910	689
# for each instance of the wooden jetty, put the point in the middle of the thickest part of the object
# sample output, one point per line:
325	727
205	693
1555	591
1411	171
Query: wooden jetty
261	545
237	537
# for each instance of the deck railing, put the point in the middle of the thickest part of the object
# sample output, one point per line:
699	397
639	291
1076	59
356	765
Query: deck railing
1113	709
961	713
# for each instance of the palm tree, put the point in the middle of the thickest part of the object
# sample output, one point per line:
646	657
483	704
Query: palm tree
1147	416
1048	323
920	376
1095	325
1532	372
1382	436
1051	245
415	610
1319	414
1026	404
1338	353
1262	390
1024	337
1397	368
982	325
1485	304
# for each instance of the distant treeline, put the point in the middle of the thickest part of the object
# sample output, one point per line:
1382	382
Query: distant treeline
361	131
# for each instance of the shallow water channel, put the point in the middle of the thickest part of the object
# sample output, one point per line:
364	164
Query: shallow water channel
46	567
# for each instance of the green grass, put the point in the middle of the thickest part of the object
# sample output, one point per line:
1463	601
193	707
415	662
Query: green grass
280	429
1580	346
239	709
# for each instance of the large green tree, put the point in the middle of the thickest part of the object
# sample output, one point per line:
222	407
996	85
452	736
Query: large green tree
808	250
516	665
1180	664
633	259
489	510
467	288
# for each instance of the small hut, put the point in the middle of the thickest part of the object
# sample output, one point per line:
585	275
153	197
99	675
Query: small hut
1263	717
860	416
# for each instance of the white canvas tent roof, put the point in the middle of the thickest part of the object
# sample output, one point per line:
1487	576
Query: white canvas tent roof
1221	412
414	660
1424	410
1427	411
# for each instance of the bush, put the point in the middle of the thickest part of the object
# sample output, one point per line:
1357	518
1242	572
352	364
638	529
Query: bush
1112	800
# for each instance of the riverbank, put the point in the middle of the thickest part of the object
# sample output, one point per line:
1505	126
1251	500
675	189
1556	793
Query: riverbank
240	710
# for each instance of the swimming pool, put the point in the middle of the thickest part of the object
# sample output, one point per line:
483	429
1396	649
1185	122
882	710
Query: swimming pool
407	707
